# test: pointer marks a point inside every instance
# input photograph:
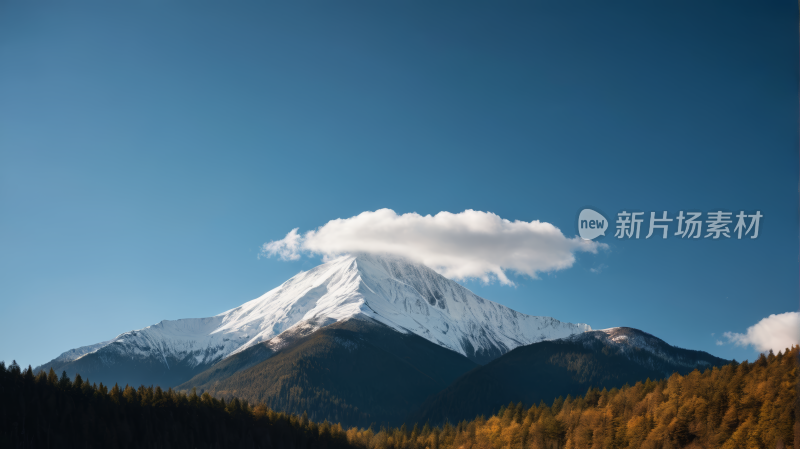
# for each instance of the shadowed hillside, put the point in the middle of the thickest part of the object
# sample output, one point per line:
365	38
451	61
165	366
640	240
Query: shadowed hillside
356	372
544	371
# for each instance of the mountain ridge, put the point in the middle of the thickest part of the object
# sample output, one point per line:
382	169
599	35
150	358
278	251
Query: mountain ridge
408	297
543	371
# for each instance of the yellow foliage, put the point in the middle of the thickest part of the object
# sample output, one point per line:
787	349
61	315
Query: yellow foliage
750	405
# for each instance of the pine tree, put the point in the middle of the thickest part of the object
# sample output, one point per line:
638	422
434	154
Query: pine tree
29	379
52	379
64	383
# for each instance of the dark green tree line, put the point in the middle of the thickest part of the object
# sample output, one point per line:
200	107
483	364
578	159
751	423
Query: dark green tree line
45	410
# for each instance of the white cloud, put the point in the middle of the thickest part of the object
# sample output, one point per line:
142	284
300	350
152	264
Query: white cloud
287	248
599	268
470	244
776	332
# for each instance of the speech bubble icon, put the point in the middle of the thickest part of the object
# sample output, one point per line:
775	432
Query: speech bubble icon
591	224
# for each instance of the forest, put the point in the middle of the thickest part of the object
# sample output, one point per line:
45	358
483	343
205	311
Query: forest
740	405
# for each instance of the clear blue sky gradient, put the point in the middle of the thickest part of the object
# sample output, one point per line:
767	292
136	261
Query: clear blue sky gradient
147	150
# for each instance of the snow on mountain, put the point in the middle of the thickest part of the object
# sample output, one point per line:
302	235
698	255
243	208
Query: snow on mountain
75	354
405	296
194	341
644	348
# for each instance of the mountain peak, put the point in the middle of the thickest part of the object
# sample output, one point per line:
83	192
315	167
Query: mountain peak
405	296
644	348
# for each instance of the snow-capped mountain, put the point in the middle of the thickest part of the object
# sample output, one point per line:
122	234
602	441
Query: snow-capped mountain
405	296
645	349
75	354
408	297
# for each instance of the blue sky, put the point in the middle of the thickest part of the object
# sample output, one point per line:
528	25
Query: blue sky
148	150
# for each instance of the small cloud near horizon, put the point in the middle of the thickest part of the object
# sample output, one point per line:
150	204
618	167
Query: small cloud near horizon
776	332
469	244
